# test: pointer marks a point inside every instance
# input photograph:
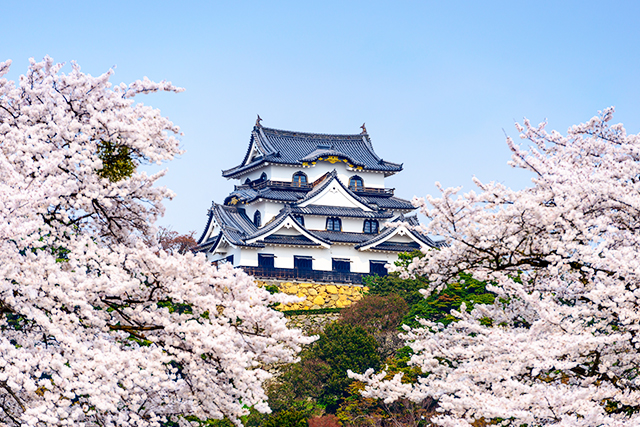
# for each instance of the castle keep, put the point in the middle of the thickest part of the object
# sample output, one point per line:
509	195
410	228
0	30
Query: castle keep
311	207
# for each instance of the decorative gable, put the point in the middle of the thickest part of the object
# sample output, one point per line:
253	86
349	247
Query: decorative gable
286	226
333	193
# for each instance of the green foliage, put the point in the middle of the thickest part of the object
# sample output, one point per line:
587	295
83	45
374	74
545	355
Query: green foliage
299	383
312	312
375	313
359	411
342	347
208	423
174	306
437	307
288	418
272	289
407	289
117	161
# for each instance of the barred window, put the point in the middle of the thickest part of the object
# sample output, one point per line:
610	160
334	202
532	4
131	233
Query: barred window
370	226
356	183
334	224
299	179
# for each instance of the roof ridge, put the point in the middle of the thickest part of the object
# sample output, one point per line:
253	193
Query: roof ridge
357	136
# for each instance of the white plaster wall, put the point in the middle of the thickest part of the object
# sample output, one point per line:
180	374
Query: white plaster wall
267	210
315	222
236	252
355	225
254	175
321	257
285	173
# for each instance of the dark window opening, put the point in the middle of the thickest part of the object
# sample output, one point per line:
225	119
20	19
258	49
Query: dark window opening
334	224
341	264
356	183
302	262
266	260
263	177
370	226
299	179
228	259
299	219
257	219
378	267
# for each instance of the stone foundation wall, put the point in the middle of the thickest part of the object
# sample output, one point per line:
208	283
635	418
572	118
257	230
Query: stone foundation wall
318	295
311	324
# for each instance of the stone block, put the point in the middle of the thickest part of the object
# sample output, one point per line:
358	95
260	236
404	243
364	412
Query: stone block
332	289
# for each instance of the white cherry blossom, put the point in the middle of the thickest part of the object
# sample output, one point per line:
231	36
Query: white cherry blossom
560	346
97	328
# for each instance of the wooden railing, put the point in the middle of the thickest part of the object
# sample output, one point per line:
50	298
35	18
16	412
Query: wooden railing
312	275
288	185
370	190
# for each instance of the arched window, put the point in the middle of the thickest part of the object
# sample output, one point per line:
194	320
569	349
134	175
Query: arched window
370	226
257	220
299	179
247	181
263	177
334	224
356	183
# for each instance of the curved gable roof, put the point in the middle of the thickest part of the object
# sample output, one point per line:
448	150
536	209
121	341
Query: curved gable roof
288	147
332	177
389	232
280	221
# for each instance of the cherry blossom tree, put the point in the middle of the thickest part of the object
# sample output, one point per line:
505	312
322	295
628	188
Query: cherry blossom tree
560	345
96	327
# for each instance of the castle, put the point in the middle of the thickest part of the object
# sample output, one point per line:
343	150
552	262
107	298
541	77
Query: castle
311	207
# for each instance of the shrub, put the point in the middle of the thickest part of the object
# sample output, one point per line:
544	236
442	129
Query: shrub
288	418
376	313
407	289
342	347
438	306
324	421
380	316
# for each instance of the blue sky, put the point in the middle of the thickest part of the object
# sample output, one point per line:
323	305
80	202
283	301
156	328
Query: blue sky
437	83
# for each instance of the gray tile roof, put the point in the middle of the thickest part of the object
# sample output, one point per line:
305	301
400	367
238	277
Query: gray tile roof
397	247
234	224
411	221
249	195
280	239
342	236
388	202
279	219
287	147
340	211
324	152
237	228
206	227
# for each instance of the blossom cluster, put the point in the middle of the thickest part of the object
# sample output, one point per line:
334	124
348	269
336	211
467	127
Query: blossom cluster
560	345
97	327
